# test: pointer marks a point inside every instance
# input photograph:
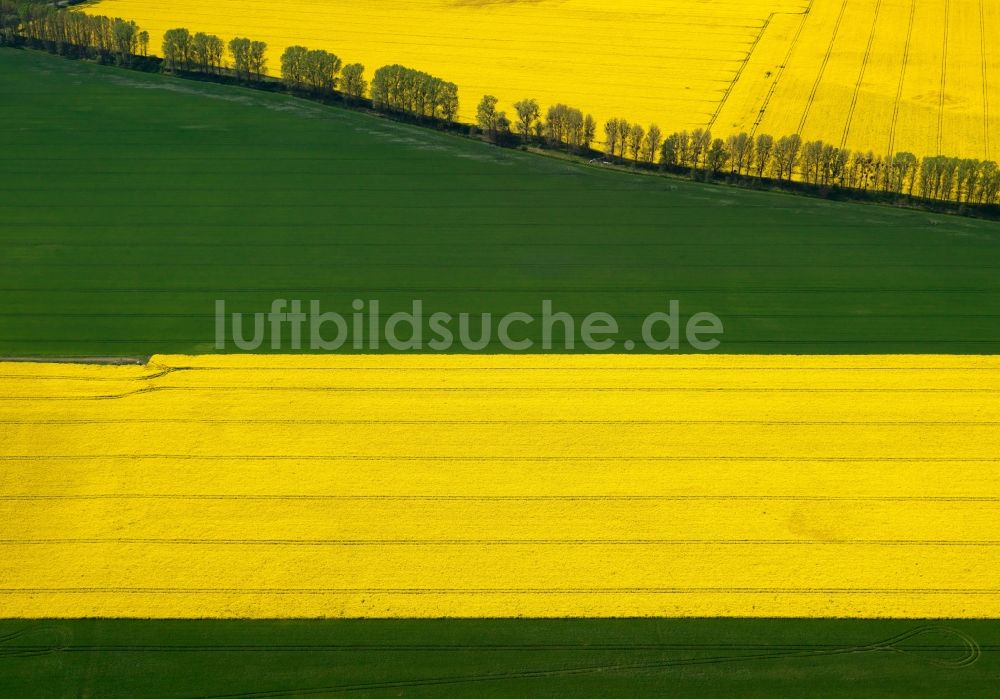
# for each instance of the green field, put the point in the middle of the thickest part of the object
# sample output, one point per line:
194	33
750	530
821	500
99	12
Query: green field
131	202
595	658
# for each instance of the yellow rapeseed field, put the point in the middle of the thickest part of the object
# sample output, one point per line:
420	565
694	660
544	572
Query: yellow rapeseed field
501	486
869	74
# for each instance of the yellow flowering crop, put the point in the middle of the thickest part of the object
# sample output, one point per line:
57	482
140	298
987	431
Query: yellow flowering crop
921	76
241	486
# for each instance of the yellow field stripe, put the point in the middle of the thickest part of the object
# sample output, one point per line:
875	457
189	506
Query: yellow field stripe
501	486
758	66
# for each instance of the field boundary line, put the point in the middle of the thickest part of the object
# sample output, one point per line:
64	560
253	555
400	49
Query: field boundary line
101	361
739	72
342	390
902	79
781	70
861	75
498	542
944	76
455	421
499	590
479	458
504	498
822	68
986	82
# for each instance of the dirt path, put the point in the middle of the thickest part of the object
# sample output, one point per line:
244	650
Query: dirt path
140	361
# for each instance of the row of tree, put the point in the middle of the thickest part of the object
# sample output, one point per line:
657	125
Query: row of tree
206	53
184	51
788	158
10	20
563	126
742	155
317	71
623	139
75	33
963	180
312	70
249	58
401	89
822	164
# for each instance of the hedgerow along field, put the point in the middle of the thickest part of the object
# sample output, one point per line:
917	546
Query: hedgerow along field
886	75
133	202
